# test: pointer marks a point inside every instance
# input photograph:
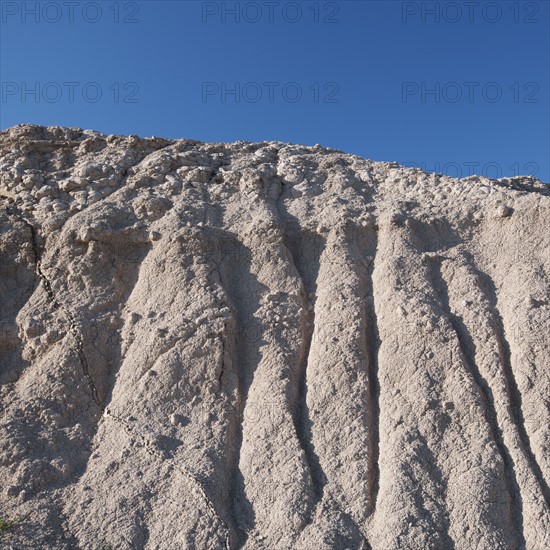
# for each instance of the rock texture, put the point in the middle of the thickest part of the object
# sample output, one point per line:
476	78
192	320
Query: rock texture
268	346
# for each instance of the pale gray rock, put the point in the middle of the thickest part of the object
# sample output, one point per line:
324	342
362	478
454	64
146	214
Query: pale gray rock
268	346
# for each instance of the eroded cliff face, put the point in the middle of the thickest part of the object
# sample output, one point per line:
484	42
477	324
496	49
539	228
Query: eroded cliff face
263	345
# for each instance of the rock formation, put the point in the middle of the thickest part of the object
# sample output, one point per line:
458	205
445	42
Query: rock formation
268	346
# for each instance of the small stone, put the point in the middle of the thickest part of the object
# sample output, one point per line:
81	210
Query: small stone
44	191
504	211
176	419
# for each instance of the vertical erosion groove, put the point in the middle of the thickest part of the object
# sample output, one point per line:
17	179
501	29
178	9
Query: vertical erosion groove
468	351
354	255
512	389
373	346
304	251
301	417
243	291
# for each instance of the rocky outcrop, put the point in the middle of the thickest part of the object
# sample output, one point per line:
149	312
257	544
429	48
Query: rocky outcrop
268	346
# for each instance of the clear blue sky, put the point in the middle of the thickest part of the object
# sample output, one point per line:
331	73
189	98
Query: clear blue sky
352	75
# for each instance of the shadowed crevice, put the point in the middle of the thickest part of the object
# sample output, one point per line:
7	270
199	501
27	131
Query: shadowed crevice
512	389
468	352
244	291
305	249
373	347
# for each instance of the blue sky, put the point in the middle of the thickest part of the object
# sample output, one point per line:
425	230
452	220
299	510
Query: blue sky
454	87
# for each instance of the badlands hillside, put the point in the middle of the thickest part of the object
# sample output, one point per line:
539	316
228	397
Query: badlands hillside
267	346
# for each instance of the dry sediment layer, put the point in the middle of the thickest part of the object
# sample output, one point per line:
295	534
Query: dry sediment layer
264	345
